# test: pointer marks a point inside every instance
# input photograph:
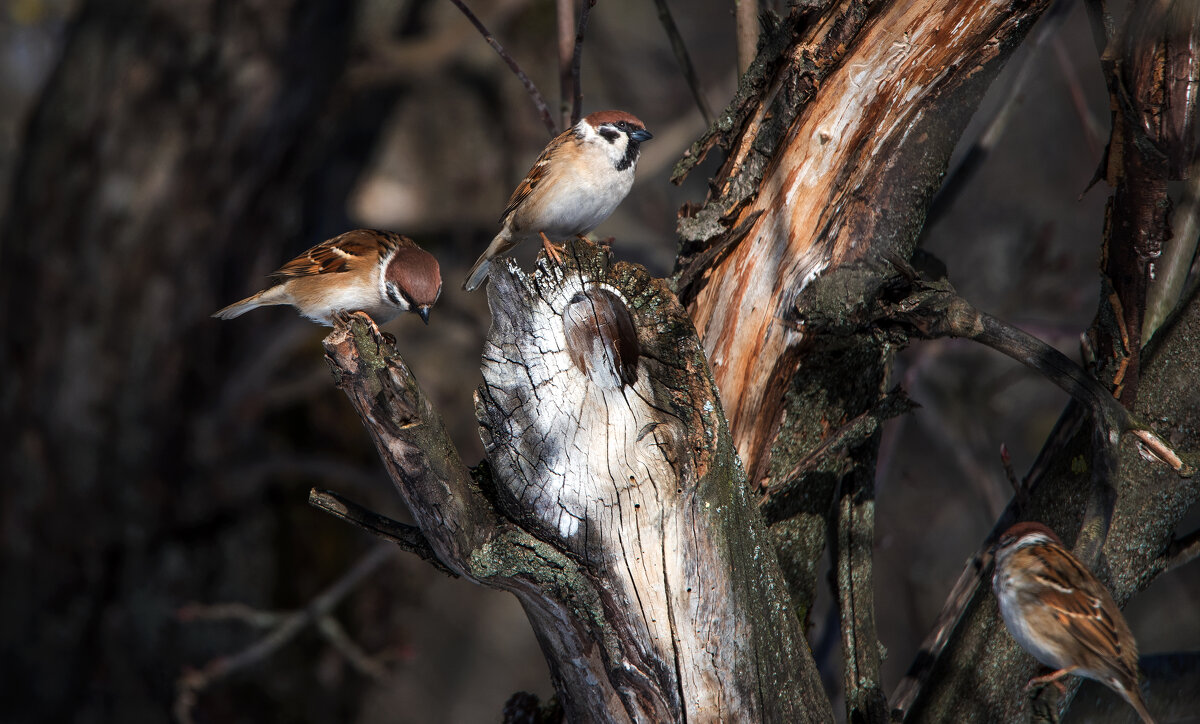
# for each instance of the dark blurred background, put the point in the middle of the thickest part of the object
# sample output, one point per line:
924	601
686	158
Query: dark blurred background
158	159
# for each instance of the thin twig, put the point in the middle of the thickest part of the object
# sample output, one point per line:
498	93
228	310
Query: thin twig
1182	551
893	404
684	59
336	635
538	100
565	12
192	682
408	537
230	612
577	61
746	18
1020	490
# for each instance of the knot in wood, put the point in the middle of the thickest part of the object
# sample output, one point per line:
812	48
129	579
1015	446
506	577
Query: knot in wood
601	339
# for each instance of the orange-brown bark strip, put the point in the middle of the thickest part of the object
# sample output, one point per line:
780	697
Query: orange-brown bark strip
839	190
1151	70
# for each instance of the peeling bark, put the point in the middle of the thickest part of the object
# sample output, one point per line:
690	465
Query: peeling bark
837	142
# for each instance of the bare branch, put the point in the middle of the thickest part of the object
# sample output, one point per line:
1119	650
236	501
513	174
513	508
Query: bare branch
852	548
539	101
565	14
746	15
408	537
1180	552
683	58
333	632
576	61
192	683
937	311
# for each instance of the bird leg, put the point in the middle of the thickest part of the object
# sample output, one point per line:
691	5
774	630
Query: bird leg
552	250
1051	678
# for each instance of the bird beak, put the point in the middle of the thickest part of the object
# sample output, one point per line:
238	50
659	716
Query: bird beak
641	135
423	310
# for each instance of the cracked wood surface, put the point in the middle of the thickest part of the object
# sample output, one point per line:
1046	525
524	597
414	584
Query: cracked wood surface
635	476
849	180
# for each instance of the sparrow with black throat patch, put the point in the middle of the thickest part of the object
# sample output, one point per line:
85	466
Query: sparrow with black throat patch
577	182
378	272
1062	615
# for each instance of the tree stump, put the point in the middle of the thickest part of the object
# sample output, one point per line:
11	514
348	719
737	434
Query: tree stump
615	509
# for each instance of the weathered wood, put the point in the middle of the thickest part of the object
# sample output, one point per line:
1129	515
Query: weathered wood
615	508
461	524
847	182
634	474
168	160
837	142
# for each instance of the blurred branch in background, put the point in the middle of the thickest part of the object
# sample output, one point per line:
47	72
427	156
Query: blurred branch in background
747	26
539	101
390	60
576	62
284	628
567	78
684	58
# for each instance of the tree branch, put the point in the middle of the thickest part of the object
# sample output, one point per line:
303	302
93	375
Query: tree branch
576	62
935	310
408	537
852	549
746	18
683	58
567	79
535	95
192	683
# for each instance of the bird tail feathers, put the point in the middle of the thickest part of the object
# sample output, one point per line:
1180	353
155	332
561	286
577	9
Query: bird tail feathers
478	273
265	298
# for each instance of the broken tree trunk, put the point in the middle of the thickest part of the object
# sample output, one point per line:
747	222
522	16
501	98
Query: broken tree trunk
615	509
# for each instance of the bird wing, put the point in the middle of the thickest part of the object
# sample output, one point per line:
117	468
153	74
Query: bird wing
1082	606
338	254
537	174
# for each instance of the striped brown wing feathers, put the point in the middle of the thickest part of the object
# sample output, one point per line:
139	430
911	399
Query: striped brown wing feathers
1084	609
536	175
341	252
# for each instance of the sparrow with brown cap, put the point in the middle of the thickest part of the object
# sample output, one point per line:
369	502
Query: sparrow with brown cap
581	177
378	272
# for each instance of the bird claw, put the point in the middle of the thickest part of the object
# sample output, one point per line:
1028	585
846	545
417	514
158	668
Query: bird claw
1054	677
553	251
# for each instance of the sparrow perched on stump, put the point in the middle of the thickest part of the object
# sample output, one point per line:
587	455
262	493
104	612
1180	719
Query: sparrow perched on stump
1062	615
377	272
577	182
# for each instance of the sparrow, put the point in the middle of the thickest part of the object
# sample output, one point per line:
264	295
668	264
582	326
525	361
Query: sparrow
377	272
1061	614
577	182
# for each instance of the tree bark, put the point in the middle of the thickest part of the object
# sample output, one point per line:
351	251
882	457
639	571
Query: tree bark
836	145
167	152
1150	107
614	506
